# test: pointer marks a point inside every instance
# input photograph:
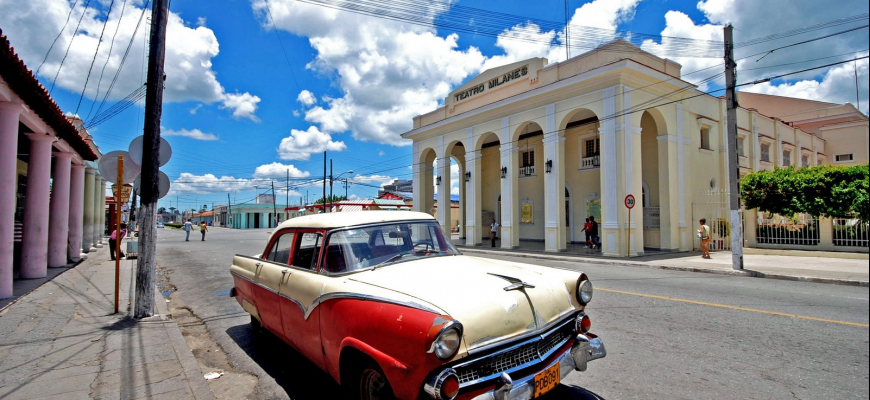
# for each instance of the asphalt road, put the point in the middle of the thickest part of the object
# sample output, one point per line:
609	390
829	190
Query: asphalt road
669	334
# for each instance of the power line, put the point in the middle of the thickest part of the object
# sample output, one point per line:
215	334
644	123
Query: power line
58	36
97	51
84	11
275	28
823	25
808	41
109	57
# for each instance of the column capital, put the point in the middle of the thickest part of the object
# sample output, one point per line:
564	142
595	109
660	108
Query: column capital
12	106
89	170
40	137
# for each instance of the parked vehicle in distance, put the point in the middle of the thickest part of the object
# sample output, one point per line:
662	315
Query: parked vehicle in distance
384	303
160	225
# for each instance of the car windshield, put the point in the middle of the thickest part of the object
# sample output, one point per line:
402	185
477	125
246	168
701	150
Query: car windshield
367	247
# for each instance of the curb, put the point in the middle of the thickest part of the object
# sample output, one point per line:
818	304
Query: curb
746	273
198	386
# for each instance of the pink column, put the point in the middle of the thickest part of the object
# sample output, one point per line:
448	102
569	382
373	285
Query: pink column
9	113
88	211
34	246
58	217
76	206
99	211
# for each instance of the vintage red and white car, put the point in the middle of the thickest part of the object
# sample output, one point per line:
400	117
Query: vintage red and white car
384	303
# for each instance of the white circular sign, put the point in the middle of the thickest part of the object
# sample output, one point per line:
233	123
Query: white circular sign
138	144
108	166
162	184
629	201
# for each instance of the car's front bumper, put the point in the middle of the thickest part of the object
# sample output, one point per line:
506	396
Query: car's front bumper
586	348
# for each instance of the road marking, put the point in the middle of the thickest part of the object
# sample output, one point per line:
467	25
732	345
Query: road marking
702	303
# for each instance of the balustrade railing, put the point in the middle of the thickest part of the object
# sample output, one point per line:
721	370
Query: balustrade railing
850	232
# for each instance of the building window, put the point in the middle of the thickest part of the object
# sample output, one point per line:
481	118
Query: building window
527	163
593	146
740	147
786	158
805	160
820	161
765	152
844	157
705	138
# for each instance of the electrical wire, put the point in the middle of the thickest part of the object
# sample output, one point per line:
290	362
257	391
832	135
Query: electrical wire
109	57
275	28
73	38
57	37
94	60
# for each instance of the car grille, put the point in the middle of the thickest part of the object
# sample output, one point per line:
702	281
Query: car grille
530	352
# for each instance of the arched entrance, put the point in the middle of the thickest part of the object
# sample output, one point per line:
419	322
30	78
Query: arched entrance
486	181
582	175
652	155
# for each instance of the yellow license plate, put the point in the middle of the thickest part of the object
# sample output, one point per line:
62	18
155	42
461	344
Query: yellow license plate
546	380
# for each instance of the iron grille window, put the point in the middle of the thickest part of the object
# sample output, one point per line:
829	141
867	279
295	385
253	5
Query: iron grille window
805	160
765	152
740	149
786	157
593	146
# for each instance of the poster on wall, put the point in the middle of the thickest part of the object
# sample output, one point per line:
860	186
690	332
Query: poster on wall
593	209
527	213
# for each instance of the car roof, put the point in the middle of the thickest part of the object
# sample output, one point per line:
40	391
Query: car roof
353	218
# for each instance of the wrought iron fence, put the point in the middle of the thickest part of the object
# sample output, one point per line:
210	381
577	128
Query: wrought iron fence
714	206
652	217
800	229
850	232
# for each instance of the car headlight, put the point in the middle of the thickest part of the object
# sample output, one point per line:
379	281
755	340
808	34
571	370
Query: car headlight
584	290
446	344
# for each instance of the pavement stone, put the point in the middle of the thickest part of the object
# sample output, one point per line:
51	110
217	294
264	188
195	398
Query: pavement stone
62	340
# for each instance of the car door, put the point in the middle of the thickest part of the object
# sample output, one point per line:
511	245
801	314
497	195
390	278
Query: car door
300	288
269	273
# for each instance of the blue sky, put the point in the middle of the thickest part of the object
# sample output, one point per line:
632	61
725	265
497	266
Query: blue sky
236	116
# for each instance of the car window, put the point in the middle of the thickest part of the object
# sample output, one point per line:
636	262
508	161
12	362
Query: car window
359	248
306	254
280	251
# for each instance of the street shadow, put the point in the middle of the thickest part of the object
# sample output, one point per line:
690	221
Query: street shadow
300	378
571	392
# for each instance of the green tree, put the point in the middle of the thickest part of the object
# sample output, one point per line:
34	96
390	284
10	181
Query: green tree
829	191
333	199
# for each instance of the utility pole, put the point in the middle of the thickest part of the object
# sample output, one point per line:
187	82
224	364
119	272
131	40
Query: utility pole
150	155
567	34
229	211
345	188
330	185
733	162
287	202
274	210
323	203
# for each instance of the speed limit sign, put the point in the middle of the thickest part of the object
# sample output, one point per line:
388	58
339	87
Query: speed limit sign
629	201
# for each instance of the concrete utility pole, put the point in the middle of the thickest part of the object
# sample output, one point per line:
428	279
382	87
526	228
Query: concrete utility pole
323	203
274	210
330	185
733	161
229	212
150	155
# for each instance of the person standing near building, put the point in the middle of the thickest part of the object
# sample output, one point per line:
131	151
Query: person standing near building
596	241
203	228
493	229
113	240
187	227
704	235
587	229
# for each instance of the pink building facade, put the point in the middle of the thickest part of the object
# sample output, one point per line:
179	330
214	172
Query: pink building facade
46	160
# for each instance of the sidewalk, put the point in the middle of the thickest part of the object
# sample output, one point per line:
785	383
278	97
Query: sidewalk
62	341
843	271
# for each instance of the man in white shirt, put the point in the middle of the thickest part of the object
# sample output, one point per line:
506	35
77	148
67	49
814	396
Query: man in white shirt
187	227
492	232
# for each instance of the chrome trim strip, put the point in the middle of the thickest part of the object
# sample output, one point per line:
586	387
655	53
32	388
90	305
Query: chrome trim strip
524	387
364	297
255	283
476	348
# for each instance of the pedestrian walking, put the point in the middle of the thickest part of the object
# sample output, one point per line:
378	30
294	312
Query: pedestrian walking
203	228
704	235
493	229
187	227
587	229
596	241
113	240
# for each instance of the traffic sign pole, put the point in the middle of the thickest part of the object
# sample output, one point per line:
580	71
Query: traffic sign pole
629	203
118	196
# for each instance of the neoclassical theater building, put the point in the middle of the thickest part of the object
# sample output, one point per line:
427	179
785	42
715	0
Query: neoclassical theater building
540	147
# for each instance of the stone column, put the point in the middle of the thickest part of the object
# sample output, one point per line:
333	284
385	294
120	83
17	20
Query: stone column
510	223
76	206
444	210
88	211
34	246
609	224
554	185
474	226
100	211
58	217
9	113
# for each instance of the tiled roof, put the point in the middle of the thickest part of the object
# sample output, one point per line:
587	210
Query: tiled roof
22	81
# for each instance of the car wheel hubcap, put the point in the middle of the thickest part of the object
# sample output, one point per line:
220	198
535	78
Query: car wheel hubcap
373	385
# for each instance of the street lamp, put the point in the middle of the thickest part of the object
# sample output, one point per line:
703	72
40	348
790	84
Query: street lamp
331	179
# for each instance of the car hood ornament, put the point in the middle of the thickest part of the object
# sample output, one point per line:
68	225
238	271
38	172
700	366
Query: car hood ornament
515	283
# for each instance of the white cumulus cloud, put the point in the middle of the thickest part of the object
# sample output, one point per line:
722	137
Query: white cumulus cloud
190	133
306	98
278	170
301	144
33	25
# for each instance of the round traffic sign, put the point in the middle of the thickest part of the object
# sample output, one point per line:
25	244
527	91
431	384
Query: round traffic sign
629	201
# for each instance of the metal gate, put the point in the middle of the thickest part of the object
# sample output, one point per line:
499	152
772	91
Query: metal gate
714	205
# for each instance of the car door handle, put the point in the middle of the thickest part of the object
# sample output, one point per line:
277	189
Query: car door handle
284	272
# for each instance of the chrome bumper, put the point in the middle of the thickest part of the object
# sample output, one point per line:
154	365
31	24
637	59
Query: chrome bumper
585	349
